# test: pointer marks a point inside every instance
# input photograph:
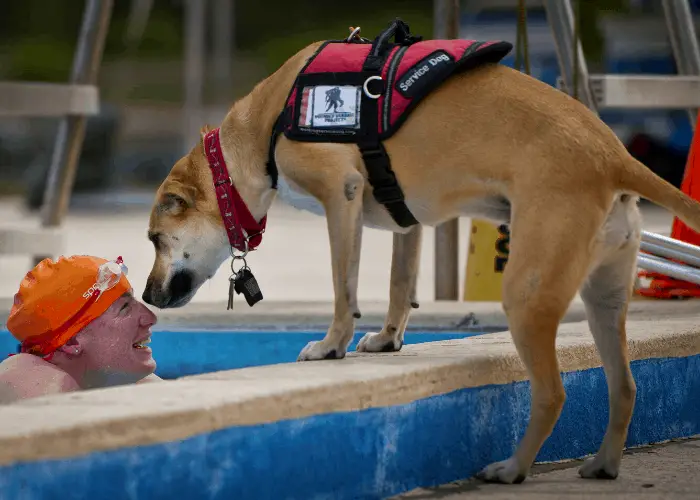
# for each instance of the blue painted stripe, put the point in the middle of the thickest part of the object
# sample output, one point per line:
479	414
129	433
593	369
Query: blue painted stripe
181	353
369	454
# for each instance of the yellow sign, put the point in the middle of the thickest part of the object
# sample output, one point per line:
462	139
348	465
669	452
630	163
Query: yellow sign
486	260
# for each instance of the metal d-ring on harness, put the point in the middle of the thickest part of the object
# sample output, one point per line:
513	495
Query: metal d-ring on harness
366	90
355	37
386	188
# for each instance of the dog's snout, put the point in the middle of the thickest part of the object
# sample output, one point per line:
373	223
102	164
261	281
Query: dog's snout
181	285
147	293
153	295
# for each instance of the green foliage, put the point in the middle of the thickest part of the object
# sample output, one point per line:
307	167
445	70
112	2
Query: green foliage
39	59
590	11
38	37
275	50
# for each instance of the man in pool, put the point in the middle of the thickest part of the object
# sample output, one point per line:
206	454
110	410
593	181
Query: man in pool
79	327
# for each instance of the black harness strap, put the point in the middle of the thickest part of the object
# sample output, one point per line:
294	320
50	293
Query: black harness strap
271	164
386	188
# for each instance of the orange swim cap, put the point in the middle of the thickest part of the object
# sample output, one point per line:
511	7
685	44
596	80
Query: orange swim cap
57	299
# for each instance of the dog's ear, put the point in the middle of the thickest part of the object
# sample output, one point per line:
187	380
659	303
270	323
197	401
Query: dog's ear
204	131
174	203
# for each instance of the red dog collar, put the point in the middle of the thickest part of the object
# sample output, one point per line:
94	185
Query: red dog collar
244	232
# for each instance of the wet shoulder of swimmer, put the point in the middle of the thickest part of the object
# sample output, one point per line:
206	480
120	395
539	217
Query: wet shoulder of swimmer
111	350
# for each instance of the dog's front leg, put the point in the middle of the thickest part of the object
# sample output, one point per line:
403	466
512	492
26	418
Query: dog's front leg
404	274
343	206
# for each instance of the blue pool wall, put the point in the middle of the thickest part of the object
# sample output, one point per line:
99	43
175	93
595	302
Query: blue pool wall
372	453
180	353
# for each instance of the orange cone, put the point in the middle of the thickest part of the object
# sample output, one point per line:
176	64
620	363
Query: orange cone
661	286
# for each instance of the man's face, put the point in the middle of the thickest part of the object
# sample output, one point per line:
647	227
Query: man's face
114	345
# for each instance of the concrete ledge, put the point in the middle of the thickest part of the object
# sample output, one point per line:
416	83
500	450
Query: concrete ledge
368	426
436	315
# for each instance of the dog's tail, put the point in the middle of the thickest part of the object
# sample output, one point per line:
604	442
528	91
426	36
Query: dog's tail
637	178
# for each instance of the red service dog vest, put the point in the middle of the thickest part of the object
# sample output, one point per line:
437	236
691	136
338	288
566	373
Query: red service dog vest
361	92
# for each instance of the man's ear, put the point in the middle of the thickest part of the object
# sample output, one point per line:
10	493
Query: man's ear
71	348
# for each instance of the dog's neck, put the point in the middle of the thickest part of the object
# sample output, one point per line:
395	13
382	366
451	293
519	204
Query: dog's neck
246	130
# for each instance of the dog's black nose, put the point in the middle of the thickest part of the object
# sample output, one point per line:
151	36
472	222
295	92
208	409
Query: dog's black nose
148	293
180	285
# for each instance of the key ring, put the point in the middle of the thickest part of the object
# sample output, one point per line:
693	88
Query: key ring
244	266
242	255
354	33
355	36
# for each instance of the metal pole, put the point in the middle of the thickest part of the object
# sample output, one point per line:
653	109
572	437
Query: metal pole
195	19
678	271
671	243
139	12
222	19
446	25
561	22
668	253
71	129
684	41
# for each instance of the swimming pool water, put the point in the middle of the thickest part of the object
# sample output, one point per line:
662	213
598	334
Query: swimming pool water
193	352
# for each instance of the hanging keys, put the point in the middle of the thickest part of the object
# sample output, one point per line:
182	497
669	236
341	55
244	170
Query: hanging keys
243	282
231	286
246	284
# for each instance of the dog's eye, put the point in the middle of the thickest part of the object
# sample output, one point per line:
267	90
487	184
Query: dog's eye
124	307
155	239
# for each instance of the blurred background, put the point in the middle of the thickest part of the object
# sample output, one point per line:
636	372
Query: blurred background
154	99
139	132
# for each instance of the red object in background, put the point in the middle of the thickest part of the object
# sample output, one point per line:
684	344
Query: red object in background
661	286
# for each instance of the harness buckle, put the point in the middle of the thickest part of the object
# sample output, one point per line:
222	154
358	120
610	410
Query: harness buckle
372	153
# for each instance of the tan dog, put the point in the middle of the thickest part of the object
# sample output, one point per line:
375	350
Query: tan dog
489	143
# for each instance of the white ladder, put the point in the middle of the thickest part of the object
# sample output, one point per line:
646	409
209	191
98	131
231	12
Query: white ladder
680	91
72	102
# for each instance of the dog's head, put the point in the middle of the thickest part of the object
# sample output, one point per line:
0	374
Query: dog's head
186	230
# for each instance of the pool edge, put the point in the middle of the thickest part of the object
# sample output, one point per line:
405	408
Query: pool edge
422	372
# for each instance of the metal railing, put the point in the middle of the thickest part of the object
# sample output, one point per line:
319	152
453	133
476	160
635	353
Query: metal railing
641	91
446	25
73	102
680	91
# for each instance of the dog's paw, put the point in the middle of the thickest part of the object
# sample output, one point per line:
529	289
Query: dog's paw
379	342
507	472
597	468
319	350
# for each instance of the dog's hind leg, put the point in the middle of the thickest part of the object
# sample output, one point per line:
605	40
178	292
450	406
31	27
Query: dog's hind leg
606	294
550	252
404	274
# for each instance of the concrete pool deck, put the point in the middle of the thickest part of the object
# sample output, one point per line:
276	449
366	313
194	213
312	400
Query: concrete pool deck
368	426
661	472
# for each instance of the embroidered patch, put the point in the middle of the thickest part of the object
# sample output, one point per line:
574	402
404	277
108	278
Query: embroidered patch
417	78
330	106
